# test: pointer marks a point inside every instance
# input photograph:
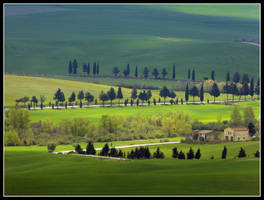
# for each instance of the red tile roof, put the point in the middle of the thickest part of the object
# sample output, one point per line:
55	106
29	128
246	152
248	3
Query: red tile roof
239	128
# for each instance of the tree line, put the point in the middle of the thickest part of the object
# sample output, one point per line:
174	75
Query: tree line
144	152
86	68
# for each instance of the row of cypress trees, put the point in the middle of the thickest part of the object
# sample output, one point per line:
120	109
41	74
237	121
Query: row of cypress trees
144	153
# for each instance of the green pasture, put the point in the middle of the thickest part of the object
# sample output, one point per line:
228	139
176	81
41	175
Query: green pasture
204	113
115	35
250	11
33	171
16	87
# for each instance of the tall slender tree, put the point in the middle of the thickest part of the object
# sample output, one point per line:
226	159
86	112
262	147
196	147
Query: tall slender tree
128	69
213	75
136	71
257	91
245	89
251	92
97	69
201	94
193	75
94	68
75	66
245	78
84	68
227	76
103	97
233	90
173	72
189	73
70	67
88	68
119	94
187	93
236	77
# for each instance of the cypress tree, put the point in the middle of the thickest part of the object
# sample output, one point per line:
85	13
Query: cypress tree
80	96
97	69
128	69
119	94
224	152
189	73
198	154
242	153
256	154
227	77
136	72
75	66
84	68
202	94
115	71
70	67
257	89
245	89
213	75
173	72
245	78
236	77
72	98
94	68
90	150
193	75
251	92
187	93
190	154
175	153
88	68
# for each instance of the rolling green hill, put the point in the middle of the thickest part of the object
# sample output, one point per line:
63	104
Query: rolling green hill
142	35
32	171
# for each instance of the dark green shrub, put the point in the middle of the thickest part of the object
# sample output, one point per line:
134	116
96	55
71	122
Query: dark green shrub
51	147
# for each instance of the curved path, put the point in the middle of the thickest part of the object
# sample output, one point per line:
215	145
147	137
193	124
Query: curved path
128	146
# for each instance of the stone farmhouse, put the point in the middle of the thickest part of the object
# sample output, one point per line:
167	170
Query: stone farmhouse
205	135
239	133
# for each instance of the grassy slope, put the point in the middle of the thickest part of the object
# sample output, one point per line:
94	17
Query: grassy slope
32	171
204	113
16	87
117	35
227	10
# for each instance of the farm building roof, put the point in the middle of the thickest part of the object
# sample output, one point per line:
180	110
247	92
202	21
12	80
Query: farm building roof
239	128
203	131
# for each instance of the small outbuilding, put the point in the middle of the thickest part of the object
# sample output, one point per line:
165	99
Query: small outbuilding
205	135
238	133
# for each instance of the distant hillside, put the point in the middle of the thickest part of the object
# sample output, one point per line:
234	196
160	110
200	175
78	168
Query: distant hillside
146	36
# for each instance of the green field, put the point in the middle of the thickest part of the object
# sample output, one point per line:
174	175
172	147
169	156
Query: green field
16	87
204	113
33	171
115	35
